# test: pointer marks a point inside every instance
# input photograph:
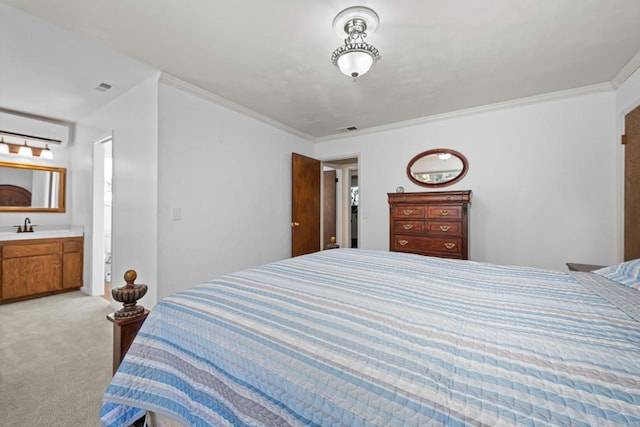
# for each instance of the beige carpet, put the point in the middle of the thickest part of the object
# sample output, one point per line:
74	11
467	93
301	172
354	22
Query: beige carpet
55	360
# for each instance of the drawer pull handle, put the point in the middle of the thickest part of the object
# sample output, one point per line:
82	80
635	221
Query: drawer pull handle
408	226
444	213
403	242
445	227
449	245
407	212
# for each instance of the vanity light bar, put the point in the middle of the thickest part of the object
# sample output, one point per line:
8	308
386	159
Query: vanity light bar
26	150
8	148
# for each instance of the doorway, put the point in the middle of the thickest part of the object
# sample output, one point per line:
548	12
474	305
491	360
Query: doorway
347	199
324	204
102	214
354	191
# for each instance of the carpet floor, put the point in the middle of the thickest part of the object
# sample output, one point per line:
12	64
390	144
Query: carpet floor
55	360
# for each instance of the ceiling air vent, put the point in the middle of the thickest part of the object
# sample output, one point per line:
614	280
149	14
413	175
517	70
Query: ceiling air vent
347	129
103	87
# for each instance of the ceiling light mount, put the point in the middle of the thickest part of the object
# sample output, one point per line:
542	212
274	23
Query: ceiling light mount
355	57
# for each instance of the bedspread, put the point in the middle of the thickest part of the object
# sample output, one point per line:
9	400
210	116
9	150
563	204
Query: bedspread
363	338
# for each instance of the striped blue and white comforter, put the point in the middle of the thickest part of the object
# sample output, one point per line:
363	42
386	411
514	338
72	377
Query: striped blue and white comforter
362	338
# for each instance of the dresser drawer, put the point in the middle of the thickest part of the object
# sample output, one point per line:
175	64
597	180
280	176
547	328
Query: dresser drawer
450	246
419	198
444	211
409	227
400	212
445	228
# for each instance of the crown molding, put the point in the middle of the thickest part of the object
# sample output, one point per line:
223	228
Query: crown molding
553	96
170	80
626	71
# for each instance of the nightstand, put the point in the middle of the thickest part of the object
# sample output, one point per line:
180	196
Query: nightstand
583	267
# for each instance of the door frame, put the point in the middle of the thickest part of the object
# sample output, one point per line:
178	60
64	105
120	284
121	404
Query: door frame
98	217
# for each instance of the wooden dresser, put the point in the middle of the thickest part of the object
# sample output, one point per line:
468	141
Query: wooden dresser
430	223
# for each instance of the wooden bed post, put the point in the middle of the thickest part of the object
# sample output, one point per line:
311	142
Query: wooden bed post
129	319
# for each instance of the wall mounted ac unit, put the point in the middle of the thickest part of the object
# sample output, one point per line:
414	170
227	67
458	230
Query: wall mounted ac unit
15	128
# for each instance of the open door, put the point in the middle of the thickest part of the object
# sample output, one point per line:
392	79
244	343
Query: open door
632	185
305	210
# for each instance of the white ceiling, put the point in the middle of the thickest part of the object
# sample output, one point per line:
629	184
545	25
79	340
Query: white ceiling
273	56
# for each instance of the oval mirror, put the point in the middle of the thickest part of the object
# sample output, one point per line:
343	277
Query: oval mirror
437	168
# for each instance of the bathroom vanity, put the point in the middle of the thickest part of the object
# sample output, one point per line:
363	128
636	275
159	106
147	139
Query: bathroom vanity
40	263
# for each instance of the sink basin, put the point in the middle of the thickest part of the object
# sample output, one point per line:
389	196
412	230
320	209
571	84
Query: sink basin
42	234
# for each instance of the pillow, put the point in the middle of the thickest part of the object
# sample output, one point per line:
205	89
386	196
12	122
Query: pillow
626	273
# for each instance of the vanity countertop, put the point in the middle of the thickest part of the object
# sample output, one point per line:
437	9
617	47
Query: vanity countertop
42	232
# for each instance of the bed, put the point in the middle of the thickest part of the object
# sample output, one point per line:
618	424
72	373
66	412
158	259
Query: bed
362	338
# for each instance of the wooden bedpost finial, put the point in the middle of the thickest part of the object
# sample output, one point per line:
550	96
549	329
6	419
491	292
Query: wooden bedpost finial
129	294
130	276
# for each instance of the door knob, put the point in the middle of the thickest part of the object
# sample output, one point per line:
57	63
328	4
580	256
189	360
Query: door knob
295	224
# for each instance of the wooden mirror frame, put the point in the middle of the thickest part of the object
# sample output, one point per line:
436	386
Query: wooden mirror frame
463	172
61	190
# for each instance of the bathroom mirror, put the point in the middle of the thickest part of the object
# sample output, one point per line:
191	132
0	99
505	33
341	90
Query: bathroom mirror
31	188
437	168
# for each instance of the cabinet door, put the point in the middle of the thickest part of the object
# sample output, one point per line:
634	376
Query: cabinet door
72	271
30	275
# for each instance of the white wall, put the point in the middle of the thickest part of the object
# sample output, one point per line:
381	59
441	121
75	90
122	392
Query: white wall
133	120
543	178
230	177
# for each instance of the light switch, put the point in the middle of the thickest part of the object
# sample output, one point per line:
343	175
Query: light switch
176	214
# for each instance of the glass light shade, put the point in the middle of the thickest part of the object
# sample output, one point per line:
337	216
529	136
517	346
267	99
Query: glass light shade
46	153
4	148
25	151
355	63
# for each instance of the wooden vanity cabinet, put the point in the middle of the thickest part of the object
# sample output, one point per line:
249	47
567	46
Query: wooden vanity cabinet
37	267
430	223
72	256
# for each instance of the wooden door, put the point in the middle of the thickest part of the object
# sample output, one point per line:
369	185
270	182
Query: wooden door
305	210
632	185
328	207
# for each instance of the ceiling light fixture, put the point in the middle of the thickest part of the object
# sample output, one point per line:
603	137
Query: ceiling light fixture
355	57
